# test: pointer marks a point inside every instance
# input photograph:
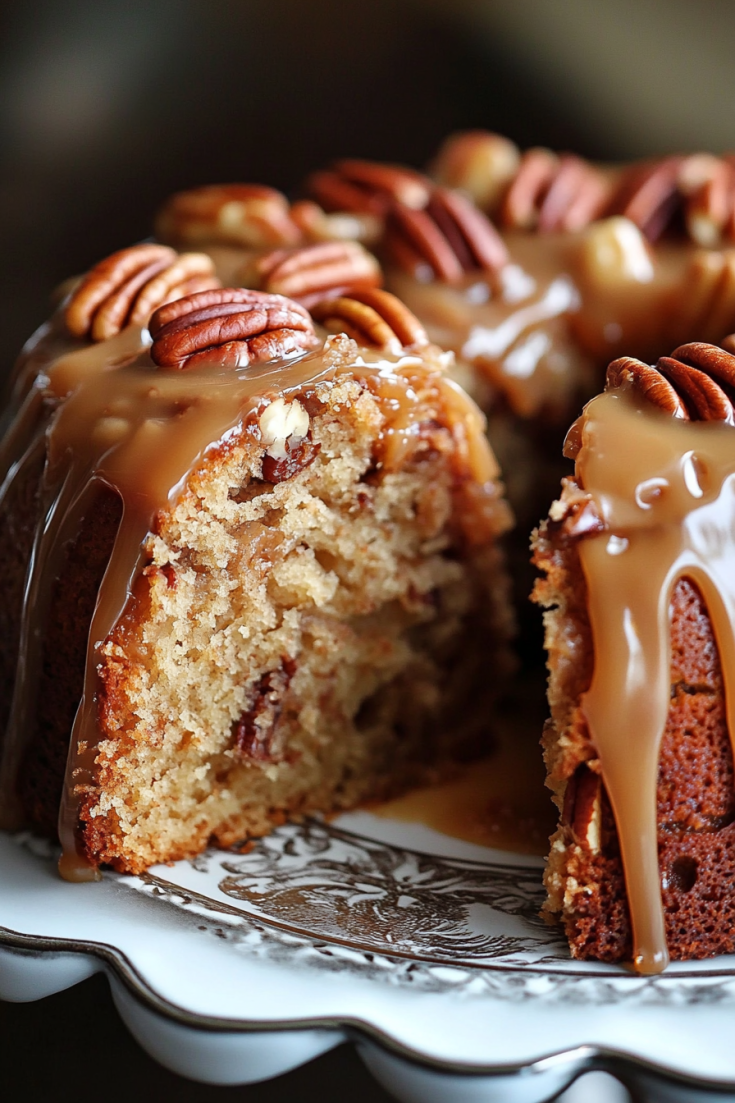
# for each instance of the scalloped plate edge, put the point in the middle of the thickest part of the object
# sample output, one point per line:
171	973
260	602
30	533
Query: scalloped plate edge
161	1026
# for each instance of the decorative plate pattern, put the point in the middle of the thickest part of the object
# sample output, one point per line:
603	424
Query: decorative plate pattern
349	926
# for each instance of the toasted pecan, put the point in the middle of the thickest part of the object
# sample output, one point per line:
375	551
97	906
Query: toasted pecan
696	382
373	318
310	272
450	237
705	399
713	359
533	179
708	185
232	326
554	193
249	215
126	287
648	194
627	372
367	187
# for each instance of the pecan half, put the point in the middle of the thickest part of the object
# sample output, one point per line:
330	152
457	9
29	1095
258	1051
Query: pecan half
308	273
708	184
232	326
367	187
627	372
704	398
125	288
551	193
249	215
648	194
480	163
450	237
696	382
373	318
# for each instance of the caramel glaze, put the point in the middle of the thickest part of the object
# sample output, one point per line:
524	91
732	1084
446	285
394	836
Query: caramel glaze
107	416
500	801
566	304
667	500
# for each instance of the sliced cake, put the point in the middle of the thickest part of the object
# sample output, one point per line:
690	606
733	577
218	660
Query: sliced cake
257	574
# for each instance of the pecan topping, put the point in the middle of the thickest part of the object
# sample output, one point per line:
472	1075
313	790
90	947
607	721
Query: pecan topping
696	382
545	191
254	734
367	187
553	193
708	184
232	326
628	372
480	163
373	318
249	215
125	288
450	237
308	273
648	194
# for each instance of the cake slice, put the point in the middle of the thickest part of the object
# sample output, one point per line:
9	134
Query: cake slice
265	575
638	559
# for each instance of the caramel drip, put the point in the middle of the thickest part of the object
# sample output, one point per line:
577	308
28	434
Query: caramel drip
18	729
666	492
120	422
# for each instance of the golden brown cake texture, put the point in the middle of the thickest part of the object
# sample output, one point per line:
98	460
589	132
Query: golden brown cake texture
588	881
317	611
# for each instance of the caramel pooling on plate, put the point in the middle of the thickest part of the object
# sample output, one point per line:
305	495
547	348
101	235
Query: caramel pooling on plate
665	490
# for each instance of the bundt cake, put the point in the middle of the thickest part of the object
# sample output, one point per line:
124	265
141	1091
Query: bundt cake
638	559
249	559
249	569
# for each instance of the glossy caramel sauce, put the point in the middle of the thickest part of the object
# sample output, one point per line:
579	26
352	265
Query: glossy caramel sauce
500	801
512	326
106	415
567	304
666	491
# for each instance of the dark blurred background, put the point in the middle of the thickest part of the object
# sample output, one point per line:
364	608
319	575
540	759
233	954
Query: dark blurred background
108	106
